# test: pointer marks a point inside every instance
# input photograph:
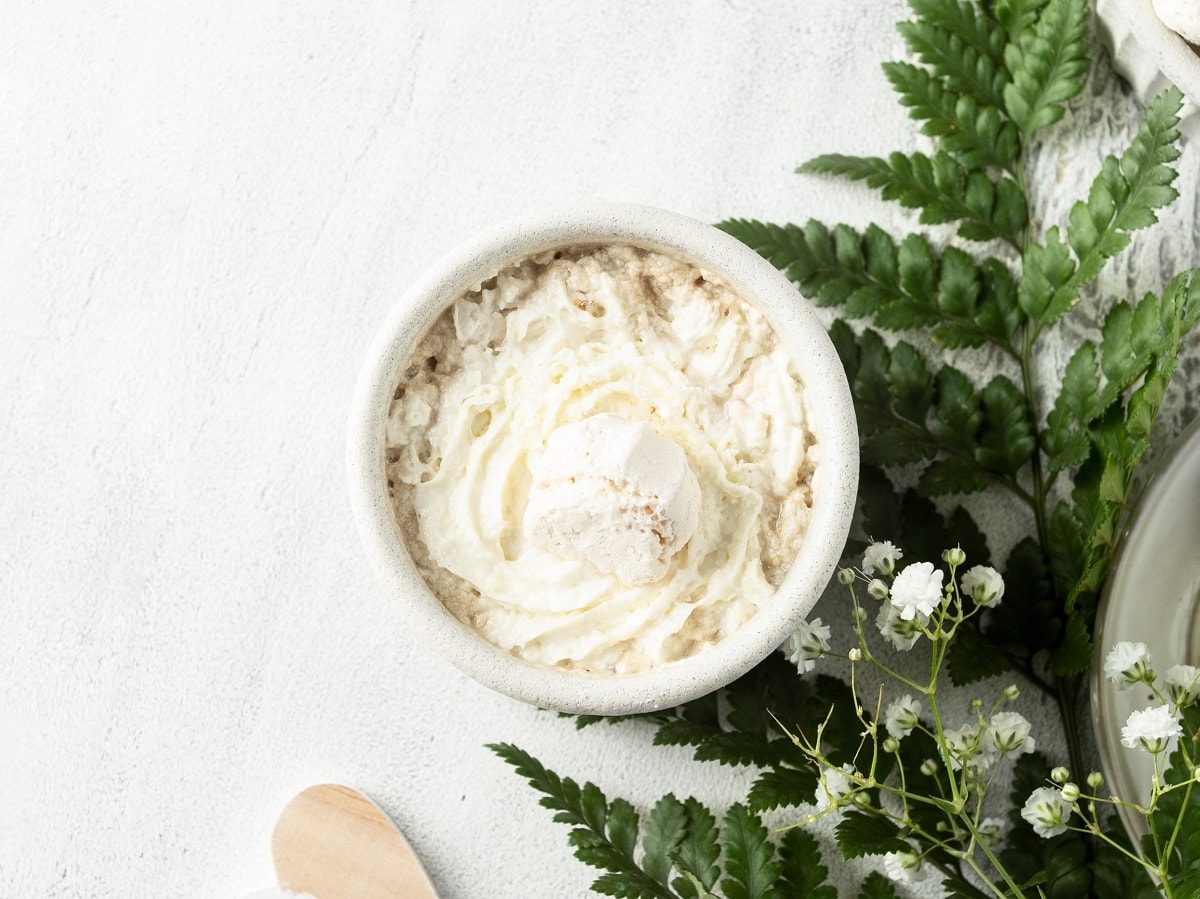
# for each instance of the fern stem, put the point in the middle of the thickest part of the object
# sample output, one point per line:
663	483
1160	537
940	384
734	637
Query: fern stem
1039	481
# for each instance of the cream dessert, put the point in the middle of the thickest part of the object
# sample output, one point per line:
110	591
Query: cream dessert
600	459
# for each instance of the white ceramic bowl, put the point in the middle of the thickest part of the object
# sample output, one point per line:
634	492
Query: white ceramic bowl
1150	55
834	485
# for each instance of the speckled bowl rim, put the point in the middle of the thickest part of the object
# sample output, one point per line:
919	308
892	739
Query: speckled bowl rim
832	421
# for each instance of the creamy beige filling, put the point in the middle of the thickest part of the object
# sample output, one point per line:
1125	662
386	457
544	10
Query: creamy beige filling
611	334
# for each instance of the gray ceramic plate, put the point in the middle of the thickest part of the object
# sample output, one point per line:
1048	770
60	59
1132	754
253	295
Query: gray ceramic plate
1152	596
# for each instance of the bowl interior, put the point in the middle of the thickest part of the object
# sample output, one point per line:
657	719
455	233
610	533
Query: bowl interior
832	422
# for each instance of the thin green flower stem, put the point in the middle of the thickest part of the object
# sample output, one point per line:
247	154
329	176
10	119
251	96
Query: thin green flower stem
869	656
1094	831
1166	857
895	675
974	865
903	780
940	741
991	857
1158	851
874	728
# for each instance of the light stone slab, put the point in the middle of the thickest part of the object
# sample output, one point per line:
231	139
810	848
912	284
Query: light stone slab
205	211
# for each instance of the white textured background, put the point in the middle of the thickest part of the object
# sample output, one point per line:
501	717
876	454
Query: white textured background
205	210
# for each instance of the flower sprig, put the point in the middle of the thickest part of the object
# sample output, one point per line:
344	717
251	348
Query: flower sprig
1156	730
945	819
921	602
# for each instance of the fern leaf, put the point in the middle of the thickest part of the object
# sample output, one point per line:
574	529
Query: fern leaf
699	849
1122	200
603	835
1049	63
803	871
941	188
751	869
963	67
977	136
1123	437
1017	15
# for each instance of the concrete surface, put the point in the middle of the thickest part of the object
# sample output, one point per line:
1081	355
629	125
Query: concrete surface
205	210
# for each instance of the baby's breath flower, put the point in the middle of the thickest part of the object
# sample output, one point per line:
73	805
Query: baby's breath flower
891	745
900	633
846	577
929	767
1095	780
984	585
1060	775
1008	732
906	867
1151	729
954	556
1047	811
902	716
809	643
881	557
1127	664
1184	681
1011	692
835	785
991	832
968	747
917	590
1070	792
877	589
854	655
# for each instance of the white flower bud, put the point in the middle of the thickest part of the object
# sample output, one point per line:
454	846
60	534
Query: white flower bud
1184	684
954	557
809	643
881	558
855	654
1047	811
1011	692
846	577
1127	664
991	831
1060	775
902	716
1008	732
929	768
877	589
891	745
1152	729
1070	792
984	585
1095	780
834	786
862	800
